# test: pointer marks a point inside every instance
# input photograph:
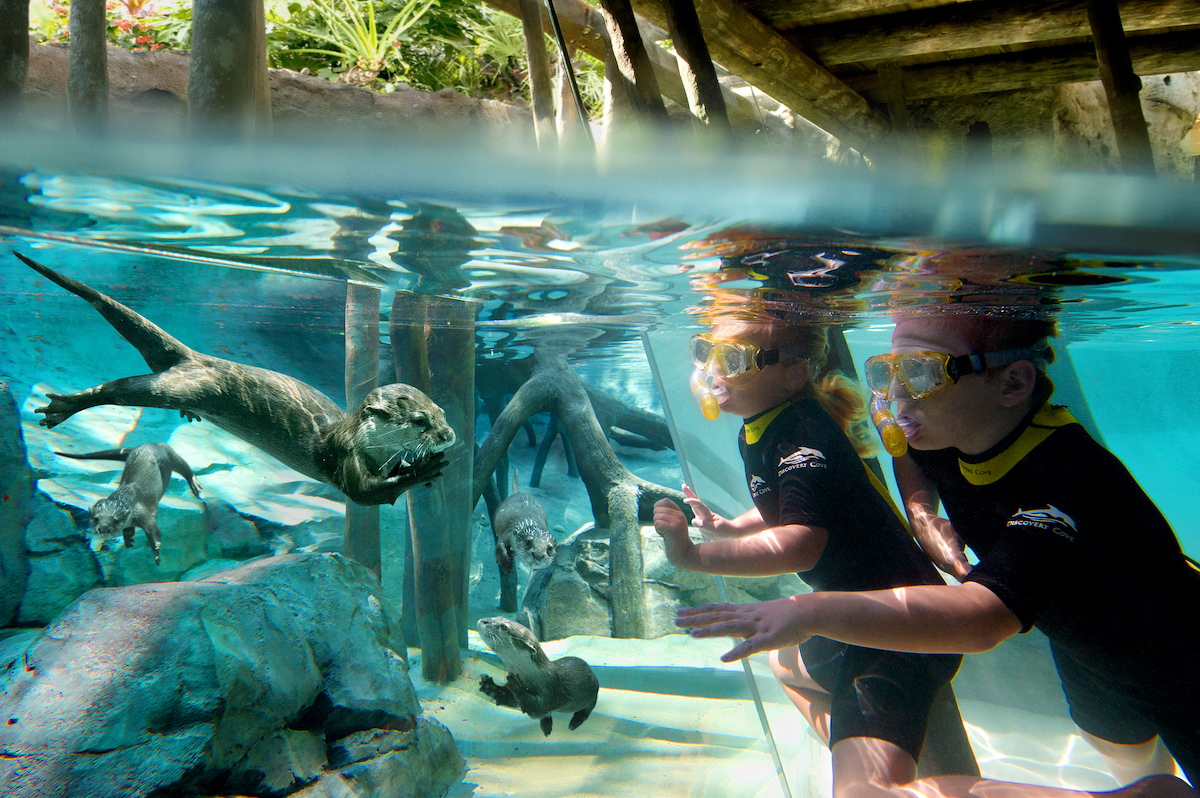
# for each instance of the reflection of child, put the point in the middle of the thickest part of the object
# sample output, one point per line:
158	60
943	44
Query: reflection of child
820	512
1067	541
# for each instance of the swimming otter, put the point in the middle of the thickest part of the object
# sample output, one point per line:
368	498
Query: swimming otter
522	532
144	480
536	685
393	442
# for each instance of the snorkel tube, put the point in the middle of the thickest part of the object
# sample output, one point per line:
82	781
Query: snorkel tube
895	442
705	395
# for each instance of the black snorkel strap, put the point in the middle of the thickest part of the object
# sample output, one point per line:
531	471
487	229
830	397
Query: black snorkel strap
963	365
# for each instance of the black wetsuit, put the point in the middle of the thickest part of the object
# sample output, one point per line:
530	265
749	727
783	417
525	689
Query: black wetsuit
802	469
1069	541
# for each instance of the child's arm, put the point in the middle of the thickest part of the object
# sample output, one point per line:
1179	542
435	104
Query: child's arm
769	552
935	534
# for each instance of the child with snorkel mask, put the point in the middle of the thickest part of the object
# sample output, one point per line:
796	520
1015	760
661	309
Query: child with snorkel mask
820	512
1066	540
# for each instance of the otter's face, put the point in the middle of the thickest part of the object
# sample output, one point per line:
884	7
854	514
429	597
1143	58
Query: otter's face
399	427
109	518
535	546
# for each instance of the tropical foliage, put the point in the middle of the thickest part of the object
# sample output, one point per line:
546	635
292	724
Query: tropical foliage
428	44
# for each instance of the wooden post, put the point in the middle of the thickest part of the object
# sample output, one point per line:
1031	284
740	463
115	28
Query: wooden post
87	82
228	87
1122	87
696	66
540	88
14	55
361	541
567	118
632	61
433	345
891	84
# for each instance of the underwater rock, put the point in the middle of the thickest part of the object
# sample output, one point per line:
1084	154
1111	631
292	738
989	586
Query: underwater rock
230	536
279	764
185	529
16	492
353	635
165	687
424	763
61	565
571	598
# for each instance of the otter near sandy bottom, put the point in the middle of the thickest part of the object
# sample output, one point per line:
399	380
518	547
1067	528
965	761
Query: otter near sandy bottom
134	504
393	442
536	685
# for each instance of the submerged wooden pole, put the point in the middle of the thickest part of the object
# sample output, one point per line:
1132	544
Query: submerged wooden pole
696	66
361	541
228	87
1121	86
87	82
14	55
433	345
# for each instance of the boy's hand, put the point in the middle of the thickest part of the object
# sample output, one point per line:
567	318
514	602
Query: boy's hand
765	625
672	525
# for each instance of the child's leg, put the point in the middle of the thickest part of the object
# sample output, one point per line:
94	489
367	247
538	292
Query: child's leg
812	701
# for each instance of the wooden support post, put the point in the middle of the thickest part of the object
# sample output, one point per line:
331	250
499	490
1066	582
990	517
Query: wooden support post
696	66
228	87
540	88
361	541
632	62
902	140
14	55
87	82
433	345
1122	87
567	119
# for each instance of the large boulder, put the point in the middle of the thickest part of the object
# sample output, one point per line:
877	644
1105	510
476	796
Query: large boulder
16	494
62	566
236	683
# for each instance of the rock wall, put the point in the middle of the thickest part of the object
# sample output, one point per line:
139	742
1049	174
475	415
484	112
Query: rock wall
16	497
1067	125
286	675
151	89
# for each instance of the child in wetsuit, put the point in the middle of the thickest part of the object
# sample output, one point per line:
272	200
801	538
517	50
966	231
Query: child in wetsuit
1066	541
820	512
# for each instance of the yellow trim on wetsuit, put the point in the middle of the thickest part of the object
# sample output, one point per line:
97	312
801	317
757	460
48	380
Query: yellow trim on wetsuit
883	491
1048	419
755	429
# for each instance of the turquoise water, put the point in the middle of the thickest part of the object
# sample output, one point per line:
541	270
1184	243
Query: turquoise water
246	255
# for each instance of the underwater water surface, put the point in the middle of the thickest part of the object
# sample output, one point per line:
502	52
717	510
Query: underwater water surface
258	257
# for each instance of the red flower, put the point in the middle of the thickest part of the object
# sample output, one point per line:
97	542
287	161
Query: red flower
142	39
156	46
123	24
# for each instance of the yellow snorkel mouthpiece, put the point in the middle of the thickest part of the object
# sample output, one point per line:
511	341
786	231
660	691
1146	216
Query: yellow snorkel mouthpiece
895	442
709	405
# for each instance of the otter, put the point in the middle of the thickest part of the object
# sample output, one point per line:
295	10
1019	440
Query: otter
521	531
394	441
144	480
536	685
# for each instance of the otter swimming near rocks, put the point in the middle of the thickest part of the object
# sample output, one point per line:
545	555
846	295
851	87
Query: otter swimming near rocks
522	532
144	480
394	440
536	684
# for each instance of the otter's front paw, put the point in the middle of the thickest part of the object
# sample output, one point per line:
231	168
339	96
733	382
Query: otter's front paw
497	692
55	413
190	416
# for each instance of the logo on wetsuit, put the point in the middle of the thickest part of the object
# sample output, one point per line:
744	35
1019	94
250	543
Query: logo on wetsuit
758	486
803	457
1049	518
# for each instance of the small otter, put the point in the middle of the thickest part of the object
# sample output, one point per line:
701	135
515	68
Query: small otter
522	532
144	480
393	442
536	685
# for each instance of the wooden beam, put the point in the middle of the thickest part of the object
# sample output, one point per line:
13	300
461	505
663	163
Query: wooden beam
793	13
747	47
696	66
976	28
632	61
583	28
1121	86
1030	69
540	88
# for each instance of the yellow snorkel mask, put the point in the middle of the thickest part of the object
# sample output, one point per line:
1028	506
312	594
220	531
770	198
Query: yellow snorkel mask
714	357
918	375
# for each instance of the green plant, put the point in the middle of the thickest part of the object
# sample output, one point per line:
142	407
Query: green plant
355	39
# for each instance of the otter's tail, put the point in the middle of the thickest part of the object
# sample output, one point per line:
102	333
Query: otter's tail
158	349
107	454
